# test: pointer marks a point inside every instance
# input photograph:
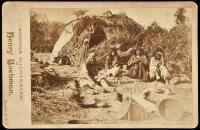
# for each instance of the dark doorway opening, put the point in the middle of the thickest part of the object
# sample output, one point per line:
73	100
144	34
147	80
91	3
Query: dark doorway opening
97	37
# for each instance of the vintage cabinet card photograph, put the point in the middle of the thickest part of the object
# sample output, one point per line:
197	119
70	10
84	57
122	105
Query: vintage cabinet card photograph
99	65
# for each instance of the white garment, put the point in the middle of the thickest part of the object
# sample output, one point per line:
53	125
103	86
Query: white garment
156	71
153	68
113	71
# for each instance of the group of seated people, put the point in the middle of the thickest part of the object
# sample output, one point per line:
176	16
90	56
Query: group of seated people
139	66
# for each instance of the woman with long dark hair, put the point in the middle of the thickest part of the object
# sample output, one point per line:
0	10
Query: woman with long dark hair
112	64
137	65
157	68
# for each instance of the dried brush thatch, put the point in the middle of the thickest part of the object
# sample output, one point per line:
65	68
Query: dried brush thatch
100	30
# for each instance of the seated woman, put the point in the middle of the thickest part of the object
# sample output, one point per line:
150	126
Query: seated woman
137	66
157	68
112	64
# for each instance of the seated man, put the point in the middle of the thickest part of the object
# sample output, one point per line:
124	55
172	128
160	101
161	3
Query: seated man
112	65
157	68
137	66
90	76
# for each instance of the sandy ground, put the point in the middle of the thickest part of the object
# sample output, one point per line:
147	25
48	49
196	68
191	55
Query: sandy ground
56	107
117	109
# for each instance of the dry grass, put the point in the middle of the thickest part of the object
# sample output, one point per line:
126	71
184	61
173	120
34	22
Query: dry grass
53	109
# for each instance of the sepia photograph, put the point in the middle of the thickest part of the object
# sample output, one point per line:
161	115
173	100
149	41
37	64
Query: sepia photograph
111	65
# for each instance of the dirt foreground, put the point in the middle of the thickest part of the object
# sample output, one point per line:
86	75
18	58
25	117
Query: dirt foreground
55	106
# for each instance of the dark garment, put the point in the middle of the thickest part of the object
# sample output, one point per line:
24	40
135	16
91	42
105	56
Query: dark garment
137	67
92	68
111	61
142	72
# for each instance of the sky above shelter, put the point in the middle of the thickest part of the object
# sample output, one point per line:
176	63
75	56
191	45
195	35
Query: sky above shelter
144	16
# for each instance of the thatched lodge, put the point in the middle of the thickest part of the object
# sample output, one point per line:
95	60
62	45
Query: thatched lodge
100	31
